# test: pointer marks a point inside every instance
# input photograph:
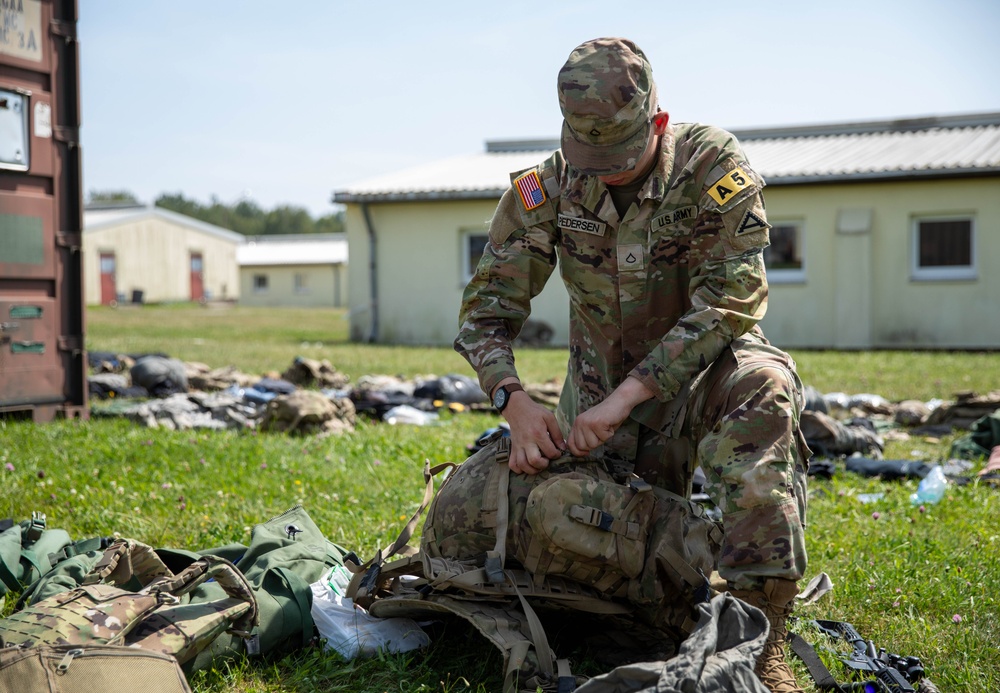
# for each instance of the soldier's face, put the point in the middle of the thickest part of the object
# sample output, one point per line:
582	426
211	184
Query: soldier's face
646	161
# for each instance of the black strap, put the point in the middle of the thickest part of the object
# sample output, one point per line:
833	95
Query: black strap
821	675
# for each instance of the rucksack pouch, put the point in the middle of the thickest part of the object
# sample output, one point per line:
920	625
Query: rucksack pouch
86	669
582	524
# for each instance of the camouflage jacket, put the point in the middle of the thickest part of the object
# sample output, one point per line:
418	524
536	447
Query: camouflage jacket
656	295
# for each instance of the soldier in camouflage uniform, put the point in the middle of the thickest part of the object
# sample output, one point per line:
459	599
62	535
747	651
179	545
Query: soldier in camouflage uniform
658	230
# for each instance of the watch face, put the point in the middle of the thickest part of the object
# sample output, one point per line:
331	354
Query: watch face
500	398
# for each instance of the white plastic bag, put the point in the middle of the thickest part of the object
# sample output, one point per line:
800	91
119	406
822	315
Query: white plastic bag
352	631
405	414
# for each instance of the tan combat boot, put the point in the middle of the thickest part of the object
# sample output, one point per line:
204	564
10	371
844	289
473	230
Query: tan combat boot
775	600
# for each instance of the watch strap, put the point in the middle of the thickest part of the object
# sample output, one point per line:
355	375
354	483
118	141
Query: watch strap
509	389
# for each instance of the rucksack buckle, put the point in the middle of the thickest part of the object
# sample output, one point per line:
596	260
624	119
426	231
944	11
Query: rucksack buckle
36	526
494	568
639	485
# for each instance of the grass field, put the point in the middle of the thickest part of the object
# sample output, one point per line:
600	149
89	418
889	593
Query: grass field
919	582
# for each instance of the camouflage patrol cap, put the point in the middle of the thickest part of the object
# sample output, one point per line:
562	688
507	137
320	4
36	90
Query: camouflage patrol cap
608	99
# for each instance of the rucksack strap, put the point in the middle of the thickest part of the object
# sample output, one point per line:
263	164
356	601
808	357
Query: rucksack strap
126	559
499	489
366	575
8	578
223	572
563	675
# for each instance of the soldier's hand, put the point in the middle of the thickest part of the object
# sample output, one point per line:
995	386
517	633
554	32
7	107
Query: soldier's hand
596	425
535	437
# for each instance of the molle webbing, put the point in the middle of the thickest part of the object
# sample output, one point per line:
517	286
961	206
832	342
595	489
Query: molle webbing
498	497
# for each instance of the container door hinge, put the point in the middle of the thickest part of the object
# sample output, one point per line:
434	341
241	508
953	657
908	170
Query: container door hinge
66	134
71	343
60	27
68	239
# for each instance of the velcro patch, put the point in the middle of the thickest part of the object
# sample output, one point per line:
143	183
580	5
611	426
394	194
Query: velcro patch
745	226
590	226
751	222
529	187
675	216
726	188
630	258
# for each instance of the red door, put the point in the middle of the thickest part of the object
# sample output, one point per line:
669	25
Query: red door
197	278
109	293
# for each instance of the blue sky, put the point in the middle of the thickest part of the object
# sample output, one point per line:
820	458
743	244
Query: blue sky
287	101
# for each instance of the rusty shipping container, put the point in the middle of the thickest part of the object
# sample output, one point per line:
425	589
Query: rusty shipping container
43	367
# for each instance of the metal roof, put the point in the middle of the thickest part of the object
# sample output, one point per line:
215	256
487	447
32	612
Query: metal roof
307	249
480	176
932	147
96	218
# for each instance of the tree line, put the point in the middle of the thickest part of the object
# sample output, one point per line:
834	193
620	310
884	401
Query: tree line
245	216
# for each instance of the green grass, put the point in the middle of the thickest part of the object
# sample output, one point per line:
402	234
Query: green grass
900	578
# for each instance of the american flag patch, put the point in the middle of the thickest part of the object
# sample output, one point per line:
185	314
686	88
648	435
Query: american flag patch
530	188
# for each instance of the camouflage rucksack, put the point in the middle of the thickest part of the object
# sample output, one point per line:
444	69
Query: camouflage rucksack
101	612
285	555
570	538
308	412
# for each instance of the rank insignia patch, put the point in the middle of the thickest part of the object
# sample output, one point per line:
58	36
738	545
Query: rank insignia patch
529	187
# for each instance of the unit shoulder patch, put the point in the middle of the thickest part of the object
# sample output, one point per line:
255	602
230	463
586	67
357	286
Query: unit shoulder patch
745	226
730	185
751	222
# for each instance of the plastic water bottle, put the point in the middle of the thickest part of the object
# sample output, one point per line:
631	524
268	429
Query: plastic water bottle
931	488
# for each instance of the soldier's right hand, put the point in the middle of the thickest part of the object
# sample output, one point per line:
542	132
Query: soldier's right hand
535	437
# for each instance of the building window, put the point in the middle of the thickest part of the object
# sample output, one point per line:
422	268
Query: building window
260	283
783	259
944	248
301	283
473	246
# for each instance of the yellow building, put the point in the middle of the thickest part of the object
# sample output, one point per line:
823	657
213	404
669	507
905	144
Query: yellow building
294	270
139	254
884	235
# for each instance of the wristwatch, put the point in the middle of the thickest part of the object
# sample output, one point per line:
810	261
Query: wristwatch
502	396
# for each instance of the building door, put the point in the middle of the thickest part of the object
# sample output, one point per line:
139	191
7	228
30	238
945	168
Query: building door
109	292
197	278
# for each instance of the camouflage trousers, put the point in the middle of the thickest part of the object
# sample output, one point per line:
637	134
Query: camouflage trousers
741	426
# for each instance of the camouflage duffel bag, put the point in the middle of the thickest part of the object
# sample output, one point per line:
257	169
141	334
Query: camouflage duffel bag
574	521
88	669
154	618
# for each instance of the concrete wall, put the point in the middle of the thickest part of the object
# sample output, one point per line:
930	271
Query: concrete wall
859	290
321	286
856	291
419	270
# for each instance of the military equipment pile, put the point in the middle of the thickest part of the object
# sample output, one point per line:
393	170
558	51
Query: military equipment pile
507	553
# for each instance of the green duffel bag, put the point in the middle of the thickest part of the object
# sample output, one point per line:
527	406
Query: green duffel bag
286	554
29	550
